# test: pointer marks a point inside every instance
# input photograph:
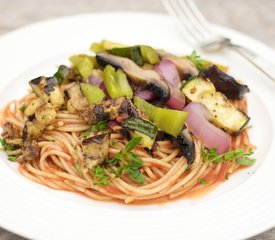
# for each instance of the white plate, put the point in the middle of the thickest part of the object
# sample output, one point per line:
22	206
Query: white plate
239	208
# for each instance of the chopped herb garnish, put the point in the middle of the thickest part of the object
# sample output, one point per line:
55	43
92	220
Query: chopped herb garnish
6	146
130	163
246	161
132	144
12	158
3	143
100	126
202	182
197	60
239	155
22	109
99	176
77	167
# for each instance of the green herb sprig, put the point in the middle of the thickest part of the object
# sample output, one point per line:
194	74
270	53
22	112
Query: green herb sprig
130	163
239	155
197	60
100	126
100	177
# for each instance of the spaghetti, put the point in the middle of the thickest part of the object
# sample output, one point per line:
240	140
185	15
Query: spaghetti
61	162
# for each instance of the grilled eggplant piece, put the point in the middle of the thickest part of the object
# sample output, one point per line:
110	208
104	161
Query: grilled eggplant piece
11	134
47	89
31	151
225	115
186	144
95	150
185	67
225	83
76	102
110	109
44	114
147	78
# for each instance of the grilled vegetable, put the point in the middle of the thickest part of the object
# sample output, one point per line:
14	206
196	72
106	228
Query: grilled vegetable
65	74
48	90
225	83
186	144
133	53
30	109
105	45
198	123
116	83
146	141
95	150
76	102
141	125
121	108
44	115
139	54
93	94
83	64
147	78
186	67
168	120
225	115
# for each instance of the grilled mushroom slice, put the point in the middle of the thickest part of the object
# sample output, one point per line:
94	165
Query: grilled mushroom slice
186	144
95	149
186	67
147	78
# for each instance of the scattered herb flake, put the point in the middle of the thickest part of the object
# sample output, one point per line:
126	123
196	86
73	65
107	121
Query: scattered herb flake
12	158
22	109
100	126
197	60
77	167
202	182
99	176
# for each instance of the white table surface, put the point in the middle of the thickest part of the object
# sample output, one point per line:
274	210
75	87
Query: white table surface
252	17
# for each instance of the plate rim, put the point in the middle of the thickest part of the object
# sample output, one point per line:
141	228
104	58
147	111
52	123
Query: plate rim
49	21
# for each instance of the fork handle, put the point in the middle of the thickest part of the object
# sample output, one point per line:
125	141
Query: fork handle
267	68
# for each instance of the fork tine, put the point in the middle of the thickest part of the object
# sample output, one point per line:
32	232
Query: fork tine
184	25
192	13
201	19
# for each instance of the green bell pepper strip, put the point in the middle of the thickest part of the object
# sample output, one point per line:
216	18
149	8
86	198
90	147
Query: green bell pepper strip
167	120
149	54
93	94
116	83
83	65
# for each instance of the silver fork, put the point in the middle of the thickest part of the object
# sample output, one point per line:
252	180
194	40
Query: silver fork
199	34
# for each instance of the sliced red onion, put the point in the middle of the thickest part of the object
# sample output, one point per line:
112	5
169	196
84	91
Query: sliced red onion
176	100
169	72
210	136
113	123
145	94
95	80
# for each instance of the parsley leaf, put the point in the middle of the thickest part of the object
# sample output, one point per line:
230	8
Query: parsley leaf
239	155
100	126
197	60
246	161
132	144
12	158
99	176
77	167
22	109
202	182
130	163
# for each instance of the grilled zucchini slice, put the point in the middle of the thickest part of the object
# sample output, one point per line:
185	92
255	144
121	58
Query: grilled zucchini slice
225	114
